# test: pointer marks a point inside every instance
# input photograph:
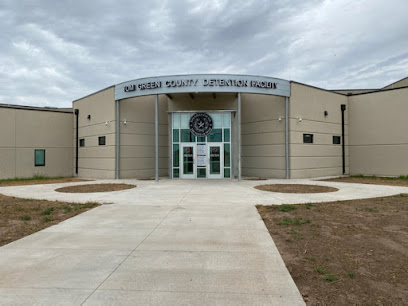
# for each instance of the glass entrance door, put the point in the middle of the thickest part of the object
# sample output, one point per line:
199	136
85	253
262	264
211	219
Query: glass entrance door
215	160
201	157
188	161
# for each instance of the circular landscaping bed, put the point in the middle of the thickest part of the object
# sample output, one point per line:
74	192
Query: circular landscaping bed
95	188
295	188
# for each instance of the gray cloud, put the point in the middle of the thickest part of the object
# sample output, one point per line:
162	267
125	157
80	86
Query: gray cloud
53	52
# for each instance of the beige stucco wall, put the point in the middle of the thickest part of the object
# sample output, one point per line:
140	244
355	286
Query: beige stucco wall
210	102
96	161
25	130
321	158
378	133
137	137
263	136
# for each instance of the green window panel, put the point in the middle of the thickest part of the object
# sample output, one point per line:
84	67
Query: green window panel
176	135
201	139
227	173
226	135
201	173
187	136
215	136
176	173
215	160
227	155
176	155
188	160
39	158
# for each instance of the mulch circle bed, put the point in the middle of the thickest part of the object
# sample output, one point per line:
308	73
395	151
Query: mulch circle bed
295	188
89	188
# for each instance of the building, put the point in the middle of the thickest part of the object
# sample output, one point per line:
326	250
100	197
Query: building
211	126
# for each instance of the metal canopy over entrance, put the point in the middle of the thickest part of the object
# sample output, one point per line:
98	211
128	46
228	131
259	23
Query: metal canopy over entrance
201	83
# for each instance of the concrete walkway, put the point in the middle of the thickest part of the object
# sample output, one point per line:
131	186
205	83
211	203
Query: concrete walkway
173	243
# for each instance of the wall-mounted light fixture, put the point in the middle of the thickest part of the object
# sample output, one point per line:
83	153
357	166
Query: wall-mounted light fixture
325	113
124	122
280	118
299	118
89	117
106	123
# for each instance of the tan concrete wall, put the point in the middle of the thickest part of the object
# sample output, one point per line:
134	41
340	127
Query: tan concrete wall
25	130
400	83
137	138
209	102
263	136
378	133
96	161
321	158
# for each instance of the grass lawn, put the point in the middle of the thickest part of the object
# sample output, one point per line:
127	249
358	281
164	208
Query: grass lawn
346	252
376	180
38	179
22	217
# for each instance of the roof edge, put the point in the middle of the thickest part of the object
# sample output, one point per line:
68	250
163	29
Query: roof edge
91	94
66	110
395	82
315	87
379	91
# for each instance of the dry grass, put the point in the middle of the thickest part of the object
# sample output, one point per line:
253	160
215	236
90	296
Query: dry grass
22	217
38	180
390	181
346	252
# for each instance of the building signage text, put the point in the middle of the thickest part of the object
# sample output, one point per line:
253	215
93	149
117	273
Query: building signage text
203	82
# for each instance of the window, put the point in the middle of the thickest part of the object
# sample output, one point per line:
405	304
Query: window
336	139
39	158
307	138
82	142
102	140
187	136
215	136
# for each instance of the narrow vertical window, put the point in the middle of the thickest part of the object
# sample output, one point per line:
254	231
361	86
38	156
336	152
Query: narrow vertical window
82	142
39	158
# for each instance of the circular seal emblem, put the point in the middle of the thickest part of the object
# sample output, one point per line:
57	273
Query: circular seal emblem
201	124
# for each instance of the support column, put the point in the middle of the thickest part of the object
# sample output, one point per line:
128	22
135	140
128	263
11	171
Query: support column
117	174
77	140
156	137
239	137
287	166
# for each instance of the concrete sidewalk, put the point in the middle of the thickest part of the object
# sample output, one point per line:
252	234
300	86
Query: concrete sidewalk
172	242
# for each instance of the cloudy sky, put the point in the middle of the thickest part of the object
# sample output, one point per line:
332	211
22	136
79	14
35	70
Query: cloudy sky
53	51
